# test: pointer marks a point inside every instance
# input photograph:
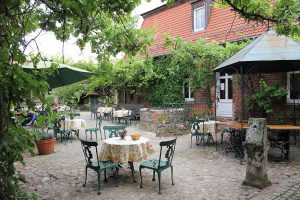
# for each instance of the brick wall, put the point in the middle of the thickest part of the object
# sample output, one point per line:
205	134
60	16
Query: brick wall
203	102
224	25
283	112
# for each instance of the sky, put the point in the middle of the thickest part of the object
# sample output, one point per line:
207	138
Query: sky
50	47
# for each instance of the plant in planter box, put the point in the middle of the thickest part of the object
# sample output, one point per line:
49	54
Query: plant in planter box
163	118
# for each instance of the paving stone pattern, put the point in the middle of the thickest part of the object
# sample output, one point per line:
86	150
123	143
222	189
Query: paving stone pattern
200	172
288	190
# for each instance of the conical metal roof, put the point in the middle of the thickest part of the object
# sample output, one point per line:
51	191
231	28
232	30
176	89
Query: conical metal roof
269	52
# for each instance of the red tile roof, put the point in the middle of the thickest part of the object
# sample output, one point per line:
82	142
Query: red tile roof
224	25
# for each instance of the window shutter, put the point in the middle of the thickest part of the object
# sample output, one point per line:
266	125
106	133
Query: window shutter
208	8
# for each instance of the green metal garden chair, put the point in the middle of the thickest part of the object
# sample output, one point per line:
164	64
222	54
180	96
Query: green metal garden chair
196	132
112	131
95	129
94	109
64	134
167	149
93	163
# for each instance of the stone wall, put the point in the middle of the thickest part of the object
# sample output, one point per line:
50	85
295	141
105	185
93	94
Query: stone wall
164	122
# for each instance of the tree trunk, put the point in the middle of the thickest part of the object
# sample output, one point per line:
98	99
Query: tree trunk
2	114
256	147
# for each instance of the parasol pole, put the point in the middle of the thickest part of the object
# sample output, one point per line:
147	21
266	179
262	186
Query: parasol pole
242	95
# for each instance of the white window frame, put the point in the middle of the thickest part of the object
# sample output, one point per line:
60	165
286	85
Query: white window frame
226	77
194	18
190	98
288	96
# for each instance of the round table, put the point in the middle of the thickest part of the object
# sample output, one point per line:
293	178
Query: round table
74	124
122	113
126	150
105	111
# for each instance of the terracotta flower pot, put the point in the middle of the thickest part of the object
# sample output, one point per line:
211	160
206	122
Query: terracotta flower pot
46	147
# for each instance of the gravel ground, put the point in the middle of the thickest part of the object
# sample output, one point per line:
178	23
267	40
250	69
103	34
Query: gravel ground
200	172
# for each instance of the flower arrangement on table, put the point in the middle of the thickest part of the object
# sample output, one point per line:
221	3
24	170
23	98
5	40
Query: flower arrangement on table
122	133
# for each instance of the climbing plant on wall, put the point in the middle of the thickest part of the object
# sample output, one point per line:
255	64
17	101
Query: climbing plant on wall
187	60
266	97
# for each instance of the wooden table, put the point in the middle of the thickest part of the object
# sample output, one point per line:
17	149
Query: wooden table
282	141
244	125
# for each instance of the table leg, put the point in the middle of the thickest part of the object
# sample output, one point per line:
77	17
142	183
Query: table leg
286	146
132	169
216	136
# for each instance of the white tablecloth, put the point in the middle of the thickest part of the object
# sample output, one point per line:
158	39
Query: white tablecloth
105	110
122	113
74	124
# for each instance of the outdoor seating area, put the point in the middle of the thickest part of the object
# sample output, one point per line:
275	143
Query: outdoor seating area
125	114
129	160
136	99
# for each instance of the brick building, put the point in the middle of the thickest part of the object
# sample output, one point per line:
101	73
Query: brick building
195	19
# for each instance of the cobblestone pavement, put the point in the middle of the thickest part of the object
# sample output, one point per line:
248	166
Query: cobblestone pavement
200	172
287	190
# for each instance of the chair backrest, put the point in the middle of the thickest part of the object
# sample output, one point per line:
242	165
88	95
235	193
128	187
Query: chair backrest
112	130
88	147
58	124
116	107
94	108
134	107
196	125
167	148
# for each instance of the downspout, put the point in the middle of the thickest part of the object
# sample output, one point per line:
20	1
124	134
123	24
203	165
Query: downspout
215	96
294	101
242	92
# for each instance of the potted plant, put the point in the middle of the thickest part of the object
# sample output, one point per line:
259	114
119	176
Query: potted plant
122	133
45	142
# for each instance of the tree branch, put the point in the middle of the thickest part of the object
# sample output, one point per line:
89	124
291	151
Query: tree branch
243	12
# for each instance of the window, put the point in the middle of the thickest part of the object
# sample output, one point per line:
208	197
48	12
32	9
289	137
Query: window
187	91
201	10
293	87
225	87
199	19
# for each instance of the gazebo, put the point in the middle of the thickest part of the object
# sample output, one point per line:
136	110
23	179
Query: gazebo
267	54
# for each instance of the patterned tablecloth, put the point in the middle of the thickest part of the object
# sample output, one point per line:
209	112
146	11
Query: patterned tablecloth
103	110
122	113
74	124
122	151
